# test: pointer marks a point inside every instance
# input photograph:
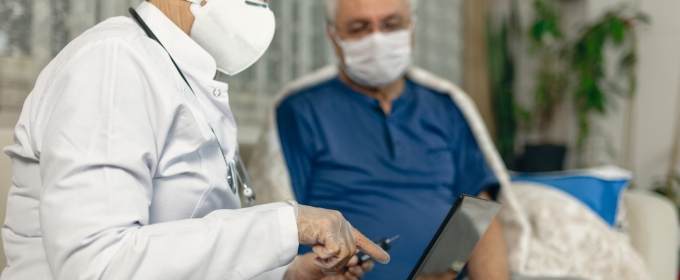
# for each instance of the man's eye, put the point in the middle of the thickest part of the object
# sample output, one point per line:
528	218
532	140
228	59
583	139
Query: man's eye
394	25
356	30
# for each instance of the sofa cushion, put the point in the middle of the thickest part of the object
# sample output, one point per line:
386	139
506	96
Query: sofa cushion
599	188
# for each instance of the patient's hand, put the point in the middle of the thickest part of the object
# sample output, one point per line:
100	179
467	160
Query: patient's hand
303	268
449	275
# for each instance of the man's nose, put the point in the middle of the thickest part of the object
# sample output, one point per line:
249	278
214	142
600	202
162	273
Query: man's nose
376	27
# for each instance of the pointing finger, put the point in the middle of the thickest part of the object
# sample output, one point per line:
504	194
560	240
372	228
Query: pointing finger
369	248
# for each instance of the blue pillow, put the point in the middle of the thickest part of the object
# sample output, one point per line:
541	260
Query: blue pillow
598	188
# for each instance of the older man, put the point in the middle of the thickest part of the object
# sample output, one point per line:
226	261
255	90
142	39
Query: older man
390	154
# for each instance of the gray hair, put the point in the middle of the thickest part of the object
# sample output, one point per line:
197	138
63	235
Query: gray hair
332	8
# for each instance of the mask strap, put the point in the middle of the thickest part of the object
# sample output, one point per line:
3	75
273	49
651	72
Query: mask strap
339	41
335	36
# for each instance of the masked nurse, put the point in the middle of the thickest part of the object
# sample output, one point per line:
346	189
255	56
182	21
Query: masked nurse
124	154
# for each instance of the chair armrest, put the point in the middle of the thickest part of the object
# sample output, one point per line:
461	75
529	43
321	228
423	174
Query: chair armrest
654	232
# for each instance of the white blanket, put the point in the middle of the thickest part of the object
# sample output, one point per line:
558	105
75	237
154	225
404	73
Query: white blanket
569	239
271	181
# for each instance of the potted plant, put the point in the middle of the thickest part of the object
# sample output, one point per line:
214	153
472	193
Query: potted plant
549	44
592	88
502	80
573	69
576	69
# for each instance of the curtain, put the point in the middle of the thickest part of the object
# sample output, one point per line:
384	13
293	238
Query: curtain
33	31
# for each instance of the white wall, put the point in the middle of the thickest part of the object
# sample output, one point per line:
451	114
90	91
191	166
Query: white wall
659	86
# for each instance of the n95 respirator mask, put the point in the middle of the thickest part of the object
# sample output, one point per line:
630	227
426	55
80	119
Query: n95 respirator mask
235	32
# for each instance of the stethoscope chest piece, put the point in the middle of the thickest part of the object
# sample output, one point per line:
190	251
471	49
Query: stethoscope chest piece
237	175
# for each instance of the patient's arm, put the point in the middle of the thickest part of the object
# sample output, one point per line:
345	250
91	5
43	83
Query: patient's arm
489	260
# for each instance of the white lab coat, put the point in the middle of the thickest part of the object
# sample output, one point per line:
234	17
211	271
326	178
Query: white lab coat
117	174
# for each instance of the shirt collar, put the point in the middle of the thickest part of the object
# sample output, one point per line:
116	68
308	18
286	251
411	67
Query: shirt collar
190	57
397	105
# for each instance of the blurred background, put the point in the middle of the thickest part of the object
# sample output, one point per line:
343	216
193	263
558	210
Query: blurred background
561	84
33	31
515	58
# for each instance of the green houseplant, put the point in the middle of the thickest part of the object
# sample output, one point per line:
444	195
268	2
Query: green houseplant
592	88
548	44
502	79
574	69
577	69
502	62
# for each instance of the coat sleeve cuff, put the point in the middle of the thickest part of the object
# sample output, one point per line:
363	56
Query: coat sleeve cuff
289	234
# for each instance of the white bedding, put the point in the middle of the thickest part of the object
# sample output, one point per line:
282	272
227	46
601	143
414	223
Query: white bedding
569	239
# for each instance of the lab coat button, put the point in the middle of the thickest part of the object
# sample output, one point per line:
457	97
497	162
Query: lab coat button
217	92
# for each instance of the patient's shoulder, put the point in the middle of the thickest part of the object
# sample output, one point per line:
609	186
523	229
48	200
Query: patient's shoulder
433	98
311	93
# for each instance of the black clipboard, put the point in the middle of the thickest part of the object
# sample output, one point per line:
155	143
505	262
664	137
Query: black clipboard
457	237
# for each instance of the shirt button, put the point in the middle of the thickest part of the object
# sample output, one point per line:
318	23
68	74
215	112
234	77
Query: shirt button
397	146
217	92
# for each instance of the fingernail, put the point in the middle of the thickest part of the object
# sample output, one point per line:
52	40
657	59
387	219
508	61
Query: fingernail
387	260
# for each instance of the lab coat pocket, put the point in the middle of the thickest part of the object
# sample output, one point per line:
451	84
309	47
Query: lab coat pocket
440	162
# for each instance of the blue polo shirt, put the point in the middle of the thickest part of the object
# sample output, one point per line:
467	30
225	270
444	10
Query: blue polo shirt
387	174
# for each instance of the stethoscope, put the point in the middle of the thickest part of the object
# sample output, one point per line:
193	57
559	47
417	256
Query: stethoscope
237	172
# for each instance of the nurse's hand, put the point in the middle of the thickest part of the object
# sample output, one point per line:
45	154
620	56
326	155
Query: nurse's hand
303	268
333	239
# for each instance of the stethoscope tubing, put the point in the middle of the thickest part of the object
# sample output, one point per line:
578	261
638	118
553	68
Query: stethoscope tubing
234	175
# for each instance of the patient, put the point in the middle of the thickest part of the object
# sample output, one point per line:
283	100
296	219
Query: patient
390	154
